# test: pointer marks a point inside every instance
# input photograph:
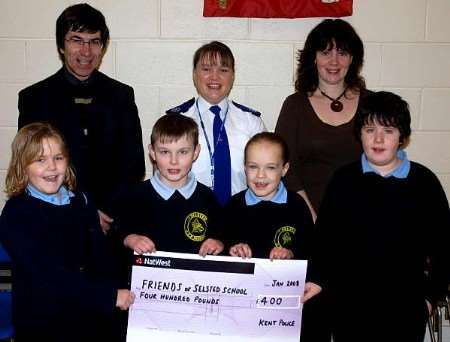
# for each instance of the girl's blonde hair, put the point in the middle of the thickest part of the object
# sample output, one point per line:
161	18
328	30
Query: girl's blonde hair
26	147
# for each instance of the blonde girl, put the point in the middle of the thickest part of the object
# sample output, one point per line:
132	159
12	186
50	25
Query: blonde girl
63	287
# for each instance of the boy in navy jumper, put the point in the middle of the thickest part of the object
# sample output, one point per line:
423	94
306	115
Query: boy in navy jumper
171	211
379	232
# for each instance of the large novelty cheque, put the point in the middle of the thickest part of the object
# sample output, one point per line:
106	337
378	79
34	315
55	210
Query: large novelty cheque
184	297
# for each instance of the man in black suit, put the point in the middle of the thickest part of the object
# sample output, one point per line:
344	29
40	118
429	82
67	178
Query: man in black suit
96	114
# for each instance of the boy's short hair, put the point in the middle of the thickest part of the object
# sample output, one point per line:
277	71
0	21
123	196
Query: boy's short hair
271	138
80	18
212	51
386	108
172	127
25	149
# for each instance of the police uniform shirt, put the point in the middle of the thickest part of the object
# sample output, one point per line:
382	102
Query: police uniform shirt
241	123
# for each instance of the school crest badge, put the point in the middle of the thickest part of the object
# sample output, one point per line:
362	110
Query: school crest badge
284	236
195	226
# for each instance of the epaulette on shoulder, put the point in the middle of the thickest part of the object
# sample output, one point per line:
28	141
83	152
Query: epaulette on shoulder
182	108
247	109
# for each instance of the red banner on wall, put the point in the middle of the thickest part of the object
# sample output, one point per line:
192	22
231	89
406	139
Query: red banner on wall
277	8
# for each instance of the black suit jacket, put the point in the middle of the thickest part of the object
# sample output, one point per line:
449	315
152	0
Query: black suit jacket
100	123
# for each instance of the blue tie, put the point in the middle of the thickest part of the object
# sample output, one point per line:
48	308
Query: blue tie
222	161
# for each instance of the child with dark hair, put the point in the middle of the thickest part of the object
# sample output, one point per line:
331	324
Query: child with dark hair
379	232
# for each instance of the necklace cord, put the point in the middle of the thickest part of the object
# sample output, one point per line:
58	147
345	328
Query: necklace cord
335	105
330	98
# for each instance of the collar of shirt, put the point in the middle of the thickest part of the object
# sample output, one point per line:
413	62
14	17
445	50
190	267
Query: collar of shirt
203	106
75	81
400	171
280	196
166	191
62	197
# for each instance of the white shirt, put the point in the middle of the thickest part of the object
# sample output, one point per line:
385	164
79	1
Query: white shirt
240	126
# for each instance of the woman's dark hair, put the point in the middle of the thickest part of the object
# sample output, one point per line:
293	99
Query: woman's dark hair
80	18
328	34
213	51
387	109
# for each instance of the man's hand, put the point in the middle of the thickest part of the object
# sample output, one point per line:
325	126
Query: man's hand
105	221
124	299
311	290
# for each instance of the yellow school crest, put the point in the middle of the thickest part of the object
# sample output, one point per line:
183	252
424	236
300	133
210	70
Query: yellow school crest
284	236
195	226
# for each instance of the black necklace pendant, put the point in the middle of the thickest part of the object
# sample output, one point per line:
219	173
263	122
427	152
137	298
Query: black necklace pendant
336	106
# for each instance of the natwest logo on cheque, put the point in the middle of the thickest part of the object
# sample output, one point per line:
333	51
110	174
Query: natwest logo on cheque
152	261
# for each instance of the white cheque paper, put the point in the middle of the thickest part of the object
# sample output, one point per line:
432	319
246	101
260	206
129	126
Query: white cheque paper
184	297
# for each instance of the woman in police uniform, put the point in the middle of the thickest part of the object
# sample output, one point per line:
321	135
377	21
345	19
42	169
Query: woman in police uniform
225	126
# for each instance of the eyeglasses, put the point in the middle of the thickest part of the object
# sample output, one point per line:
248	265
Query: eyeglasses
94	44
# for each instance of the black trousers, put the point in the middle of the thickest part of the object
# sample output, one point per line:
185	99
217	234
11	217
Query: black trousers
316	320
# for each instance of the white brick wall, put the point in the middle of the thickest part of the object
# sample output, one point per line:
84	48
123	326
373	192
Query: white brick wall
407	46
